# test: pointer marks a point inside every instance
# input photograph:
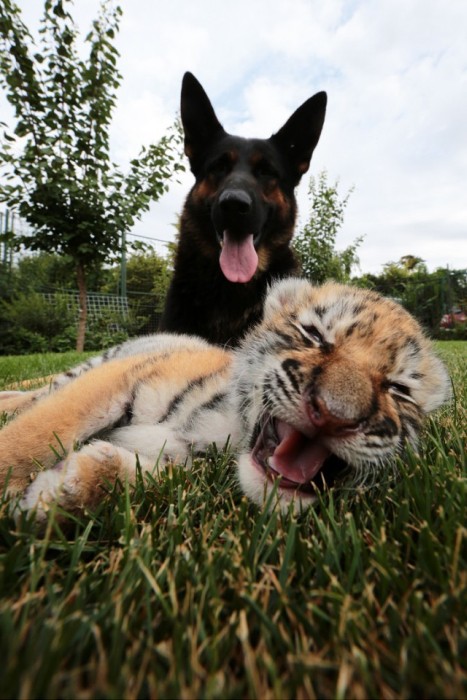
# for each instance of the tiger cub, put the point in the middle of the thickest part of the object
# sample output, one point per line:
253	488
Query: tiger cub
327	389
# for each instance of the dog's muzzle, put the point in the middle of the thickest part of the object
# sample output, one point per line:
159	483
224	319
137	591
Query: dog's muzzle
235	203
234	211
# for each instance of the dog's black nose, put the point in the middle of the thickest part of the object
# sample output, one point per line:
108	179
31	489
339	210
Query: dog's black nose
235	202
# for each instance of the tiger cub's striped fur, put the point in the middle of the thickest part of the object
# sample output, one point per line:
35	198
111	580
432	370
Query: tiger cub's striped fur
327	389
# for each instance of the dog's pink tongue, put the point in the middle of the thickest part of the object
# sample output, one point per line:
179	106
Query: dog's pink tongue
296	457
239	259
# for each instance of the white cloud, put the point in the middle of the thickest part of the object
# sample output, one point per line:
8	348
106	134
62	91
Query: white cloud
396	75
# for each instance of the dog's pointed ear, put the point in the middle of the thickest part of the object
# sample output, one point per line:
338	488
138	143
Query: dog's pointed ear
199	120
298	137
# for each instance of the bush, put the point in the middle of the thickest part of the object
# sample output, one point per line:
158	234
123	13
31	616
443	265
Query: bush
31	323
458	332
109	328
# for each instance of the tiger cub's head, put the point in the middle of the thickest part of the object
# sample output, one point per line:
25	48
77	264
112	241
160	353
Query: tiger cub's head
330	387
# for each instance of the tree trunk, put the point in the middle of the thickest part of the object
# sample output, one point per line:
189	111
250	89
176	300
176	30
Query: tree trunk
83	307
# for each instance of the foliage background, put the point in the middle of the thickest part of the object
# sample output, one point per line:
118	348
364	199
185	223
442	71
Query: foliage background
55	159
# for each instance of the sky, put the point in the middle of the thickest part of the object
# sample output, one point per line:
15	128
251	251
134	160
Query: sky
396	125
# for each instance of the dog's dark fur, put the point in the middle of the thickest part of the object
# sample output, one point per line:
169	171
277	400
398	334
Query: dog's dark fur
242	205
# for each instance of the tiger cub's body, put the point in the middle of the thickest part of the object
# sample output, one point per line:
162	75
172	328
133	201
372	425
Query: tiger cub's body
328	388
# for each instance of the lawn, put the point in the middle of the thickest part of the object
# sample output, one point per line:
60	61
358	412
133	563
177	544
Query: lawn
180	588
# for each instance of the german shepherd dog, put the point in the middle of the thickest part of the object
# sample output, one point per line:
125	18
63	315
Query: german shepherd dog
238	219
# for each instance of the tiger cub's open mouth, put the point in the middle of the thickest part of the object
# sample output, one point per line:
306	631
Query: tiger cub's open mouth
302	462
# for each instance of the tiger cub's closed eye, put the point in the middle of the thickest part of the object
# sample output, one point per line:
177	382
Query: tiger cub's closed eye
311	332
400	390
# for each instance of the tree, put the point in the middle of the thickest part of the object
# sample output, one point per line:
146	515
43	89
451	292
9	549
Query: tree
48	272
56	162
315	243
412	262
427	295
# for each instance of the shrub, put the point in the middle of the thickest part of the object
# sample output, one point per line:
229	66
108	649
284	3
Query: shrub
31	323
458	332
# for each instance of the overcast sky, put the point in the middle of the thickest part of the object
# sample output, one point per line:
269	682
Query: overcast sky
396	127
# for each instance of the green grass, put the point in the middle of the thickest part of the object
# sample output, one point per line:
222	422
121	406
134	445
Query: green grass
181	588
17	368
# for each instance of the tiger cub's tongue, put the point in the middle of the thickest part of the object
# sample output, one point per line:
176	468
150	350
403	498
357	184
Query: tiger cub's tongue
238	259
297	457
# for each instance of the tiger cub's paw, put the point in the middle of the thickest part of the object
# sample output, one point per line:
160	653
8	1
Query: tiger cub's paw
79	481
47	489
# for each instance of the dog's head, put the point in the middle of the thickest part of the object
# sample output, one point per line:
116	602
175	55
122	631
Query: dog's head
247	184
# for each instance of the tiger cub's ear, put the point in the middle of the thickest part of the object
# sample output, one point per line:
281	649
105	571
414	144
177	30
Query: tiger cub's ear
285	293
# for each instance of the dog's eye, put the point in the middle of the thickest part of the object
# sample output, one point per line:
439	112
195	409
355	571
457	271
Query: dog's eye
221	166
311	332
264	169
